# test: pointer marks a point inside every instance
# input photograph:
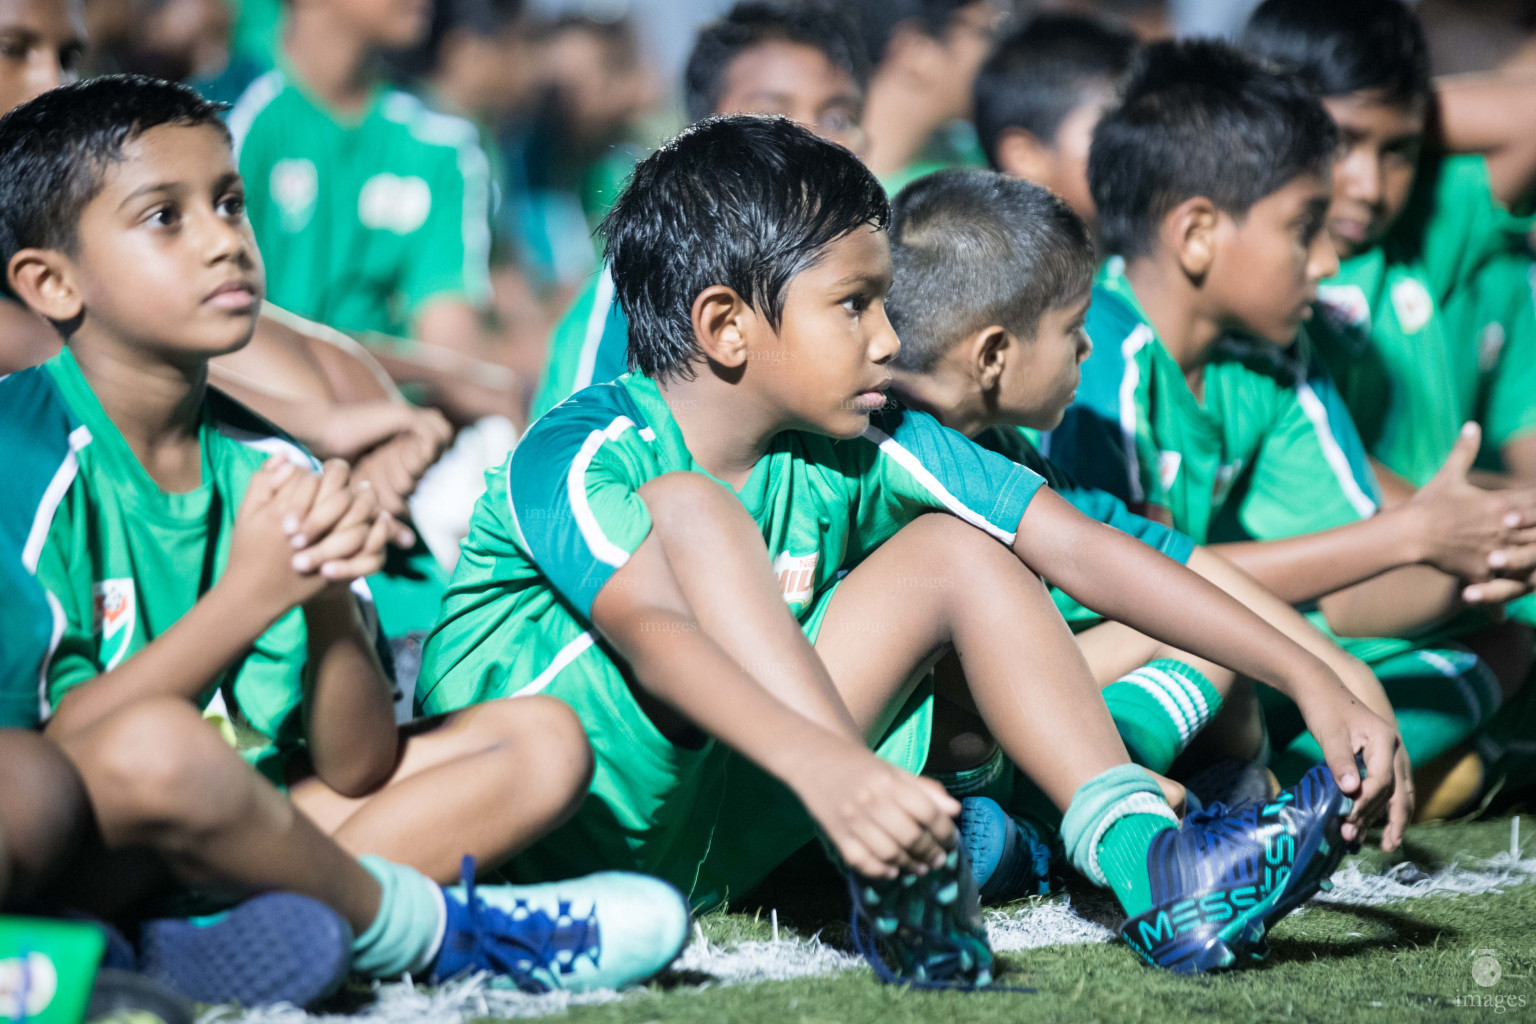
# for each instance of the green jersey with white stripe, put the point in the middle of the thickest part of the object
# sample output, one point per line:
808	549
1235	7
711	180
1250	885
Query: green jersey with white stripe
564	512
590	345
362	223
1414	330
99	561
1270	451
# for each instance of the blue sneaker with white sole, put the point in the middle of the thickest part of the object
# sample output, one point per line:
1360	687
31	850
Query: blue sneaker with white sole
1009	859
275	948
609	930
1221	880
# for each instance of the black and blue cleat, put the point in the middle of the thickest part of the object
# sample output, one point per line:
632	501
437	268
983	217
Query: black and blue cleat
1227	875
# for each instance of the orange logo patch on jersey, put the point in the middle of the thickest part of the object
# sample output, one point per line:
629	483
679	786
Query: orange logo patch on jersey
116	614
797	576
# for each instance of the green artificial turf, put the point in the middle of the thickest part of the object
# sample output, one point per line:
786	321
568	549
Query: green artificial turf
1409	961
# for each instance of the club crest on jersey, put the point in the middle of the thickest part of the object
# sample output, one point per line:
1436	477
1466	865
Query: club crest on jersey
1490	342
1168	463
1345	309
116	614
1413	304
295	185
389	202
797	576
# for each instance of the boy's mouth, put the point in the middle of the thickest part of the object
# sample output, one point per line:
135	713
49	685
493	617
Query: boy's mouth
234	296
872	399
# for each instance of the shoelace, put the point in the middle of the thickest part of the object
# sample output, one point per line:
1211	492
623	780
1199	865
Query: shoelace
520	946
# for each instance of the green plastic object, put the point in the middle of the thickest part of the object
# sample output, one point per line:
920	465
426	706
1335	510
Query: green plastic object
47	968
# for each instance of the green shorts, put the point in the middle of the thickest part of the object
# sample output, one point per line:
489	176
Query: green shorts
705	820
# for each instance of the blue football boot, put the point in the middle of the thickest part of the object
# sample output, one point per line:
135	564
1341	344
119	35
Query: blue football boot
275	948
923	930
1009	859
605	931
1222	879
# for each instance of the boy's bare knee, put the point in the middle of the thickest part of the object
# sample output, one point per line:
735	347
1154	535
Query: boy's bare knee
942	541
158	761
44	811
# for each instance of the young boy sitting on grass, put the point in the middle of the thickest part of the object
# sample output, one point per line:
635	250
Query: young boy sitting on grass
723	561
1429	321
990	291
180	551
1190	406
797	60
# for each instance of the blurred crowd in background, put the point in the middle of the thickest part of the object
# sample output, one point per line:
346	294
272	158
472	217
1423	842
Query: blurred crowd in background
568	94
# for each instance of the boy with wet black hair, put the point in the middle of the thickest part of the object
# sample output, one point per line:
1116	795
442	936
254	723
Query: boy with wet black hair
1040	94
723	561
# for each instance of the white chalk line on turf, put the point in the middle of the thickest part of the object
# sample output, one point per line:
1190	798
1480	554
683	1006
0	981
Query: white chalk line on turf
1040	923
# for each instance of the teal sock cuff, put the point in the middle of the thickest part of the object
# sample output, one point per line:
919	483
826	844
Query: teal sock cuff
1186	686
992	778
408	930
1101	801
1159	708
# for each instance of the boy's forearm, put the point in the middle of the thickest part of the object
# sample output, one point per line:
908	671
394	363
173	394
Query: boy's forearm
1124	579
1494	115
1310	566
1251	594
182	662
351	723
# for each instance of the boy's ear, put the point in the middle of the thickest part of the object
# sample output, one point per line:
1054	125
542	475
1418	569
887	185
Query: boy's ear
1190	230
43	279
721	319
990	348
1020	154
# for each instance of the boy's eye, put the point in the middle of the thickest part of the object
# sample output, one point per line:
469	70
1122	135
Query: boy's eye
13	49
232	206
163	216
856	304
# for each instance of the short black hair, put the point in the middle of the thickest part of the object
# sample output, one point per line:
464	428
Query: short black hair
1041	73
753	23
55	151
974	248
1345	47
877	20
744	201
1200	118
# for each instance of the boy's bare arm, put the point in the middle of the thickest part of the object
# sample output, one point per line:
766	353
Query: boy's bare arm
1450	525
1124	579
350	721
1355	674
258	586
1495	115
881	819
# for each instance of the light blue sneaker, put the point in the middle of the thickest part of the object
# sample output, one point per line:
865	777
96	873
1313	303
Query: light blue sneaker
1009	858
605	931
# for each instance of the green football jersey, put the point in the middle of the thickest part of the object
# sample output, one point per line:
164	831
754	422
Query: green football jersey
590	345
1098	505
1412	330
362	223
99	561
1270	452
564	512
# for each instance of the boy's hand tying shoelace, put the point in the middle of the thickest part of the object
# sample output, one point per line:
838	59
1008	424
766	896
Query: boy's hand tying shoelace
1361	749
